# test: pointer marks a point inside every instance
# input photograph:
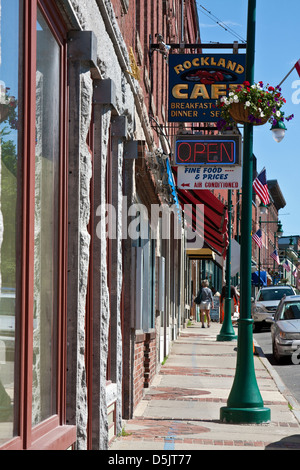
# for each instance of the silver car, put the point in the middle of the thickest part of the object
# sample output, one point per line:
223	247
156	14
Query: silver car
266	303
285	328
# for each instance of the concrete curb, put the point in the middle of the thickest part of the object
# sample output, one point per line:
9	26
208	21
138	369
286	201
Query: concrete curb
295	406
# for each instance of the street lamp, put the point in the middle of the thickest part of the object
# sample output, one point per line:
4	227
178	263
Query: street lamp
245	404
277	234
278	130
279	230
290	251
263	209
227	332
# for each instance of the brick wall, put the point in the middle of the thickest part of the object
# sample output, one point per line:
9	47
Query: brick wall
144	364
149	358
138	373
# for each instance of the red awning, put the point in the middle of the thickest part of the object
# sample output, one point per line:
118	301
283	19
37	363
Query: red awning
215	216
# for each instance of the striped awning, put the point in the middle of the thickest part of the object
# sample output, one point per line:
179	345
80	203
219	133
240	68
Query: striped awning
215	216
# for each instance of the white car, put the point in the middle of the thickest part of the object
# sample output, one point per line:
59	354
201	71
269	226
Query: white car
266	302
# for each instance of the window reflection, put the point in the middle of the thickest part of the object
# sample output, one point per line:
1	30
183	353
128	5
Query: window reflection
46	223
10	167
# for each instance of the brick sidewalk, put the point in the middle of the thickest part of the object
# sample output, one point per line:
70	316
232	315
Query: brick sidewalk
181	408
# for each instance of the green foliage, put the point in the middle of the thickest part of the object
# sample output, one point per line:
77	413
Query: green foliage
8	209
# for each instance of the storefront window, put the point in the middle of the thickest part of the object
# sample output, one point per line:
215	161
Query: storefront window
10	178
33	226
47	153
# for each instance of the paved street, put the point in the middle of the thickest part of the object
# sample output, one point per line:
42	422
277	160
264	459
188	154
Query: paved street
181	410
287	371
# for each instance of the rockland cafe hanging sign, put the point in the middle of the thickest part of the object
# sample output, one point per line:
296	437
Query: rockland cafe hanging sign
196	81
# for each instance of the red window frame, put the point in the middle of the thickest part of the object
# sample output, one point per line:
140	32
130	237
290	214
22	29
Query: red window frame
53	433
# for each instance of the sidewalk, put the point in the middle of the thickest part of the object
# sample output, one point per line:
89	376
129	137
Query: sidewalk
181	409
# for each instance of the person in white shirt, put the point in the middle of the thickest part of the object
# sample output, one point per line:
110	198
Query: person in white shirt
207	302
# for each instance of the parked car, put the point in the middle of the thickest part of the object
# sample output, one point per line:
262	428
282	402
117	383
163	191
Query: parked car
266	303
285	327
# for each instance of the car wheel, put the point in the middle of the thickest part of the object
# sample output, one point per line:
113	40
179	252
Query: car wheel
276	354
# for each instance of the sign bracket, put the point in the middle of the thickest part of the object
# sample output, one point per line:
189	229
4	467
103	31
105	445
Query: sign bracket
202	46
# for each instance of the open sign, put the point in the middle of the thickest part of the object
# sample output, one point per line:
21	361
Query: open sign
207	150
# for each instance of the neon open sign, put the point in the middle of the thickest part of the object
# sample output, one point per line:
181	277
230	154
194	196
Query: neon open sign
207	150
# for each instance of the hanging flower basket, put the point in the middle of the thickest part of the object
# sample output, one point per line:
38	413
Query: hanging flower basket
241	115
253	104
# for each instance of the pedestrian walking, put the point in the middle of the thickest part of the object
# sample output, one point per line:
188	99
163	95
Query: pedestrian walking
234	295
207	302
197	301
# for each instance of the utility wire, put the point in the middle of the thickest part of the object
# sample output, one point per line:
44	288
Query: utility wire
220	23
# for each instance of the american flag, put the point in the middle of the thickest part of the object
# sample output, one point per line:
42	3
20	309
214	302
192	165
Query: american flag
275	256
295	272
286	266
257	237
261	188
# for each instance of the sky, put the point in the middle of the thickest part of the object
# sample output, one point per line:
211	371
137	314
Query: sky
9	55
277	49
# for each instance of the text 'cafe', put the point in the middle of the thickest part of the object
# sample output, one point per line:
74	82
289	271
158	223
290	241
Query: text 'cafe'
197	81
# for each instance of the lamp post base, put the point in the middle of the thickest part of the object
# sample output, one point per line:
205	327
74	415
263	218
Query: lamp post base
245	415
245	404
227	332
226	337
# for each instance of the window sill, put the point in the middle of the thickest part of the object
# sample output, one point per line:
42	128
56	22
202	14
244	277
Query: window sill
60	438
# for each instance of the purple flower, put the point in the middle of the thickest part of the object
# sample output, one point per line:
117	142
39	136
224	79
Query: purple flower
252	118
221	124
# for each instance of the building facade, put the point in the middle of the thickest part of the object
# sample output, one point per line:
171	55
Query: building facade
92	291
289	251
267	220
96	282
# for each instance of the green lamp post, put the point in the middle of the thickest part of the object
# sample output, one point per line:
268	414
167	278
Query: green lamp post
227	332
245	404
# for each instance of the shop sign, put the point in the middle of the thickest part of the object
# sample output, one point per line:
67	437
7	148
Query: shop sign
196	81
208	150
209	177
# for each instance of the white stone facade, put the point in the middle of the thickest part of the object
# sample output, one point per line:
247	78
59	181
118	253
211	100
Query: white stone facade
112	59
